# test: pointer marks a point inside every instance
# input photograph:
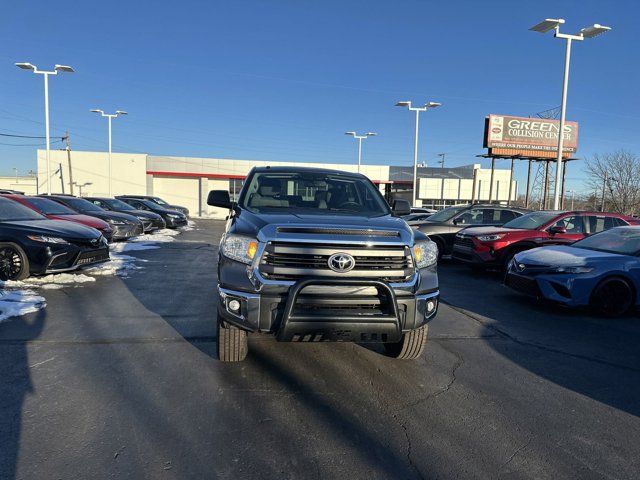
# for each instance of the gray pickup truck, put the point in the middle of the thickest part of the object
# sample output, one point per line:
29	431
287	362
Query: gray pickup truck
314	255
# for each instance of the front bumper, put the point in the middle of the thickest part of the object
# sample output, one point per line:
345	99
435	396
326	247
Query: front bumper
64	258
566	289
469	256
361	310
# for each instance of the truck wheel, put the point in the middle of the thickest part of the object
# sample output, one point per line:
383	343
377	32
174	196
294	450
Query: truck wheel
232	343
411	346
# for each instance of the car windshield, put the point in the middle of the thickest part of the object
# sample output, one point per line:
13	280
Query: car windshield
531	221
625	241
446	214
313	193
118	204
82	205
10	210
49	207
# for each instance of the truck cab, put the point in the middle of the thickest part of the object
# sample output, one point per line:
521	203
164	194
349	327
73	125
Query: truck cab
314	255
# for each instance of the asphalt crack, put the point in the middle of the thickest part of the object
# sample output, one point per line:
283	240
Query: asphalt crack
452	379
513	455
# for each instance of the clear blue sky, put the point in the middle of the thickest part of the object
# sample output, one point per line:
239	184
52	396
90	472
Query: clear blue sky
282	80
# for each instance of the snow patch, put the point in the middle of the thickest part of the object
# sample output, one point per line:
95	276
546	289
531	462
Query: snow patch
120	265
14	303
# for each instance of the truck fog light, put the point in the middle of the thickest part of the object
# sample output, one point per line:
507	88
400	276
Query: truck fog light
234	305
431	305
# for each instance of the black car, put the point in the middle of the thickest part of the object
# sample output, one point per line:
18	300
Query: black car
31	244
124	226
442	227
172	218
150	221
157	200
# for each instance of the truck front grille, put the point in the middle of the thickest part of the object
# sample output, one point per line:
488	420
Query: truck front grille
291	261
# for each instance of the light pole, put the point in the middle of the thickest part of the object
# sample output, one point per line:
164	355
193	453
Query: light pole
110	116
572	192
45	74
415	144
588	32
441	162
16	171
360	138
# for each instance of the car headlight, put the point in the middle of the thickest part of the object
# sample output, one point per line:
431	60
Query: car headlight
111	221
173	215
45	239
572	270
425	254
239	248
490	238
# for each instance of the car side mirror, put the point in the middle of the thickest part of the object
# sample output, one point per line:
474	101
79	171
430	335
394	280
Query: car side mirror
401	207
219	198
557	229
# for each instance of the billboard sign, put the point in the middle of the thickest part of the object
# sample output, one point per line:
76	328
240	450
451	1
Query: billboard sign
529	135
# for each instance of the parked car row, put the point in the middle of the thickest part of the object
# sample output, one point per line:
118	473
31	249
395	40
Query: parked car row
573	258
58	233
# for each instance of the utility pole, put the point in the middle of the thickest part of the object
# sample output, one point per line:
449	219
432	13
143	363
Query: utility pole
441	162
61	177
68	148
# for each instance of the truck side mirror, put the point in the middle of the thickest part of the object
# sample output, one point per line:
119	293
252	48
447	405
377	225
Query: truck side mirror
219	198
401	207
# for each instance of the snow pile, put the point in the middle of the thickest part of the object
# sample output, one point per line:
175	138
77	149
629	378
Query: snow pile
49	282
120	265
14	303
191	225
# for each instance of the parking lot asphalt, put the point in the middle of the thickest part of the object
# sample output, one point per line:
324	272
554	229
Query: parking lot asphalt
119	379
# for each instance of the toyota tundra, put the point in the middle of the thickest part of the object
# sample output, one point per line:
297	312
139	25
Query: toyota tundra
313	255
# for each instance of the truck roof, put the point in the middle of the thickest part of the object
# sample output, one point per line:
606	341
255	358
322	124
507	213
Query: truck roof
282	169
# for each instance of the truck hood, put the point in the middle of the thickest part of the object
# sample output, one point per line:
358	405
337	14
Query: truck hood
323	228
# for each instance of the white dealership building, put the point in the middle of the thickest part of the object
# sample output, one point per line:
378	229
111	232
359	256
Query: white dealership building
187	180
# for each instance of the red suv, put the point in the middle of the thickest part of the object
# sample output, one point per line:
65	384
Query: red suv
496	246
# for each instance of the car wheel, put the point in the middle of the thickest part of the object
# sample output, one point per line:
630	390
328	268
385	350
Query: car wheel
232	343
14	264
612	297
410	346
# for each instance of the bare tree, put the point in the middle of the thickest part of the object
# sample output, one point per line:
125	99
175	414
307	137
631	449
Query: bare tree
618	174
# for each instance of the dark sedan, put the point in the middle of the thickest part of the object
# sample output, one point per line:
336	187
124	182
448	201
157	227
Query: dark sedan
442	227
124	226
172	218
159	201
150	221
31	244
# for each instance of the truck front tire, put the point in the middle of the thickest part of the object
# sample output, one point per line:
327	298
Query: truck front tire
232	343
410	346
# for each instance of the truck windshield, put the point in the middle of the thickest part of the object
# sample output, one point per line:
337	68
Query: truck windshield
313	193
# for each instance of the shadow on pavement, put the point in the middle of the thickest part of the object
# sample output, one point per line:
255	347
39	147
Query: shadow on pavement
15	384
595	357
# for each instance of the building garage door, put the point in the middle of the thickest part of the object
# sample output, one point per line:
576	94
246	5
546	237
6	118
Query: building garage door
179	191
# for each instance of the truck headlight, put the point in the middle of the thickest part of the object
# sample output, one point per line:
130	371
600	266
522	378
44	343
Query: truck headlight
425	253
239	248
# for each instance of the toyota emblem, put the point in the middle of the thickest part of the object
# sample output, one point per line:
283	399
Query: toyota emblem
341	262
520	267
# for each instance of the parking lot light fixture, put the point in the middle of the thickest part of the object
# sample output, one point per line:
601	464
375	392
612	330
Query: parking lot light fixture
407	104
109	116
360	138
588	32
45	74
